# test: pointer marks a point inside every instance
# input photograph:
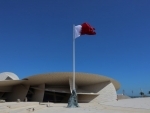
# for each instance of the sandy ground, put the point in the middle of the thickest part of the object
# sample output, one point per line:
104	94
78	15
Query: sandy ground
143	103
138	105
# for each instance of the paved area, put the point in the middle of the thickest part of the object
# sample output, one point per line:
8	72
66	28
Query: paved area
143	103
138	105
92	108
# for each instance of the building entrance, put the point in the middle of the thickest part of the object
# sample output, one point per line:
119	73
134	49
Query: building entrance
56	97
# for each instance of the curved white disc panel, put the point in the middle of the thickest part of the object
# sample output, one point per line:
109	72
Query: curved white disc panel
8	76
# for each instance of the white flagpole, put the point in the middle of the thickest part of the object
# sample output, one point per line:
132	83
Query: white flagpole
73	57
72	102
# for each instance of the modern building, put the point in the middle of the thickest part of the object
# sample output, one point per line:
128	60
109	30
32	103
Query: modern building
57	87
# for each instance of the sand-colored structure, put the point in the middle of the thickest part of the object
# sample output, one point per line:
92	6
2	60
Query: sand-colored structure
57	87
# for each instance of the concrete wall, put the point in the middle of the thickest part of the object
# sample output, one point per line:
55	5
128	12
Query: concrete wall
85	98
6	89
39	93
18	92
106	91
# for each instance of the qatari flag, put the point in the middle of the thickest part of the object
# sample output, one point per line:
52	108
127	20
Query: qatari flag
84	29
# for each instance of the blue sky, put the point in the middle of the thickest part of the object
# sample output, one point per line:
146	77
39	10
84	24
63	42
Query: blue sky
36	37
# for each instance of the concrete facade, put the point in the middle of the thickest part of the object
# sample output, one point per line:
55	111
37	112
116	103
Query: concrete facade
18	92
57	87
105	92
39	93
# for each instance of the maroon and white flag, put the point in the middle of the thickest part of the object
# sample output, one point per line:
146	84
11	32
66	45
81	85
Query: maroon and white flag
84	29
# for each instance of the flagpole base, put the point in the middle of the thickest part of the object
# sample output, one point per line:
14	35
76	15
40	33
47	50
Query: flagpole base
73	102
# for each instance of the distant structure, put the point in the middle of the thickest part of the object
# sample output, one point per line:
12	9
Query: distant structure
57	87
132	93
121	96
123	92
8	76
